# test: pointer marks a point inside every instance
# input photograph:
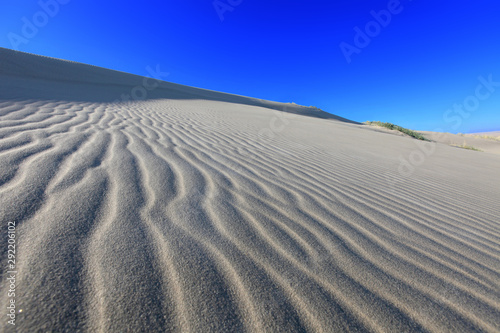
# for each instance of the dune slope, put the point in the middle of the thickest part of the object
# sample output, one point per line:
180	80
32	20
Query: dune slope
488	143
198	211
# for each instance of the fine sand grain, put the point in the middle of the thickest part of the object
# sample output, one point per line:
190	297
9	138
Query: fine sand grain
198	211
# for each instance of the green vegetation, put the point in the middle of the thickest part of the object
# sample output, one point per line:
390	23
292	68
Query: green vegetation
464	146
390	126
488	137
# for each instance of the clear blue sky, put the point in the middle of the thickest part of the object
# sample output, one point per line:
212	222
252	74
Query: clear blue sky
414	69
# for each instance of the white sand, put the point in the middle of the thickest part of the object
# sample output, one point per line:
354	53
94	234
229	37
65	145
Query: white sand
172	214
486	142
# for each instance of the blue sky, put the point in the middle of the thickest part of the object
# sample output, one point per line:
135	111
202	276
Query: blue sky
410	69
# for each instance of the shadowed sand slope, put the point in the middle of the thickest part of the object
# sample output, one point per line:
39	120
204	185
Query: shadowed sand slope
204	214
80	82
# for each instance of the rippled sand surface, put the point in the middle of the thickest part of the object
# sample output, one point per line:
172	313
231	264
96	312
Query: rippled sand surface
197	211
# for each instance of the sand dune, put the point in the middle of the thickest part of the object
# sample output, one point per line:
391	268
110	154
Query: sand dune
488	142
493	134
198	211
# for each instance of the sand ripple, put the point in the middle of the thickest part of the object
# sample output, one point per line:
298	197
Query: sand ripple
172	215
